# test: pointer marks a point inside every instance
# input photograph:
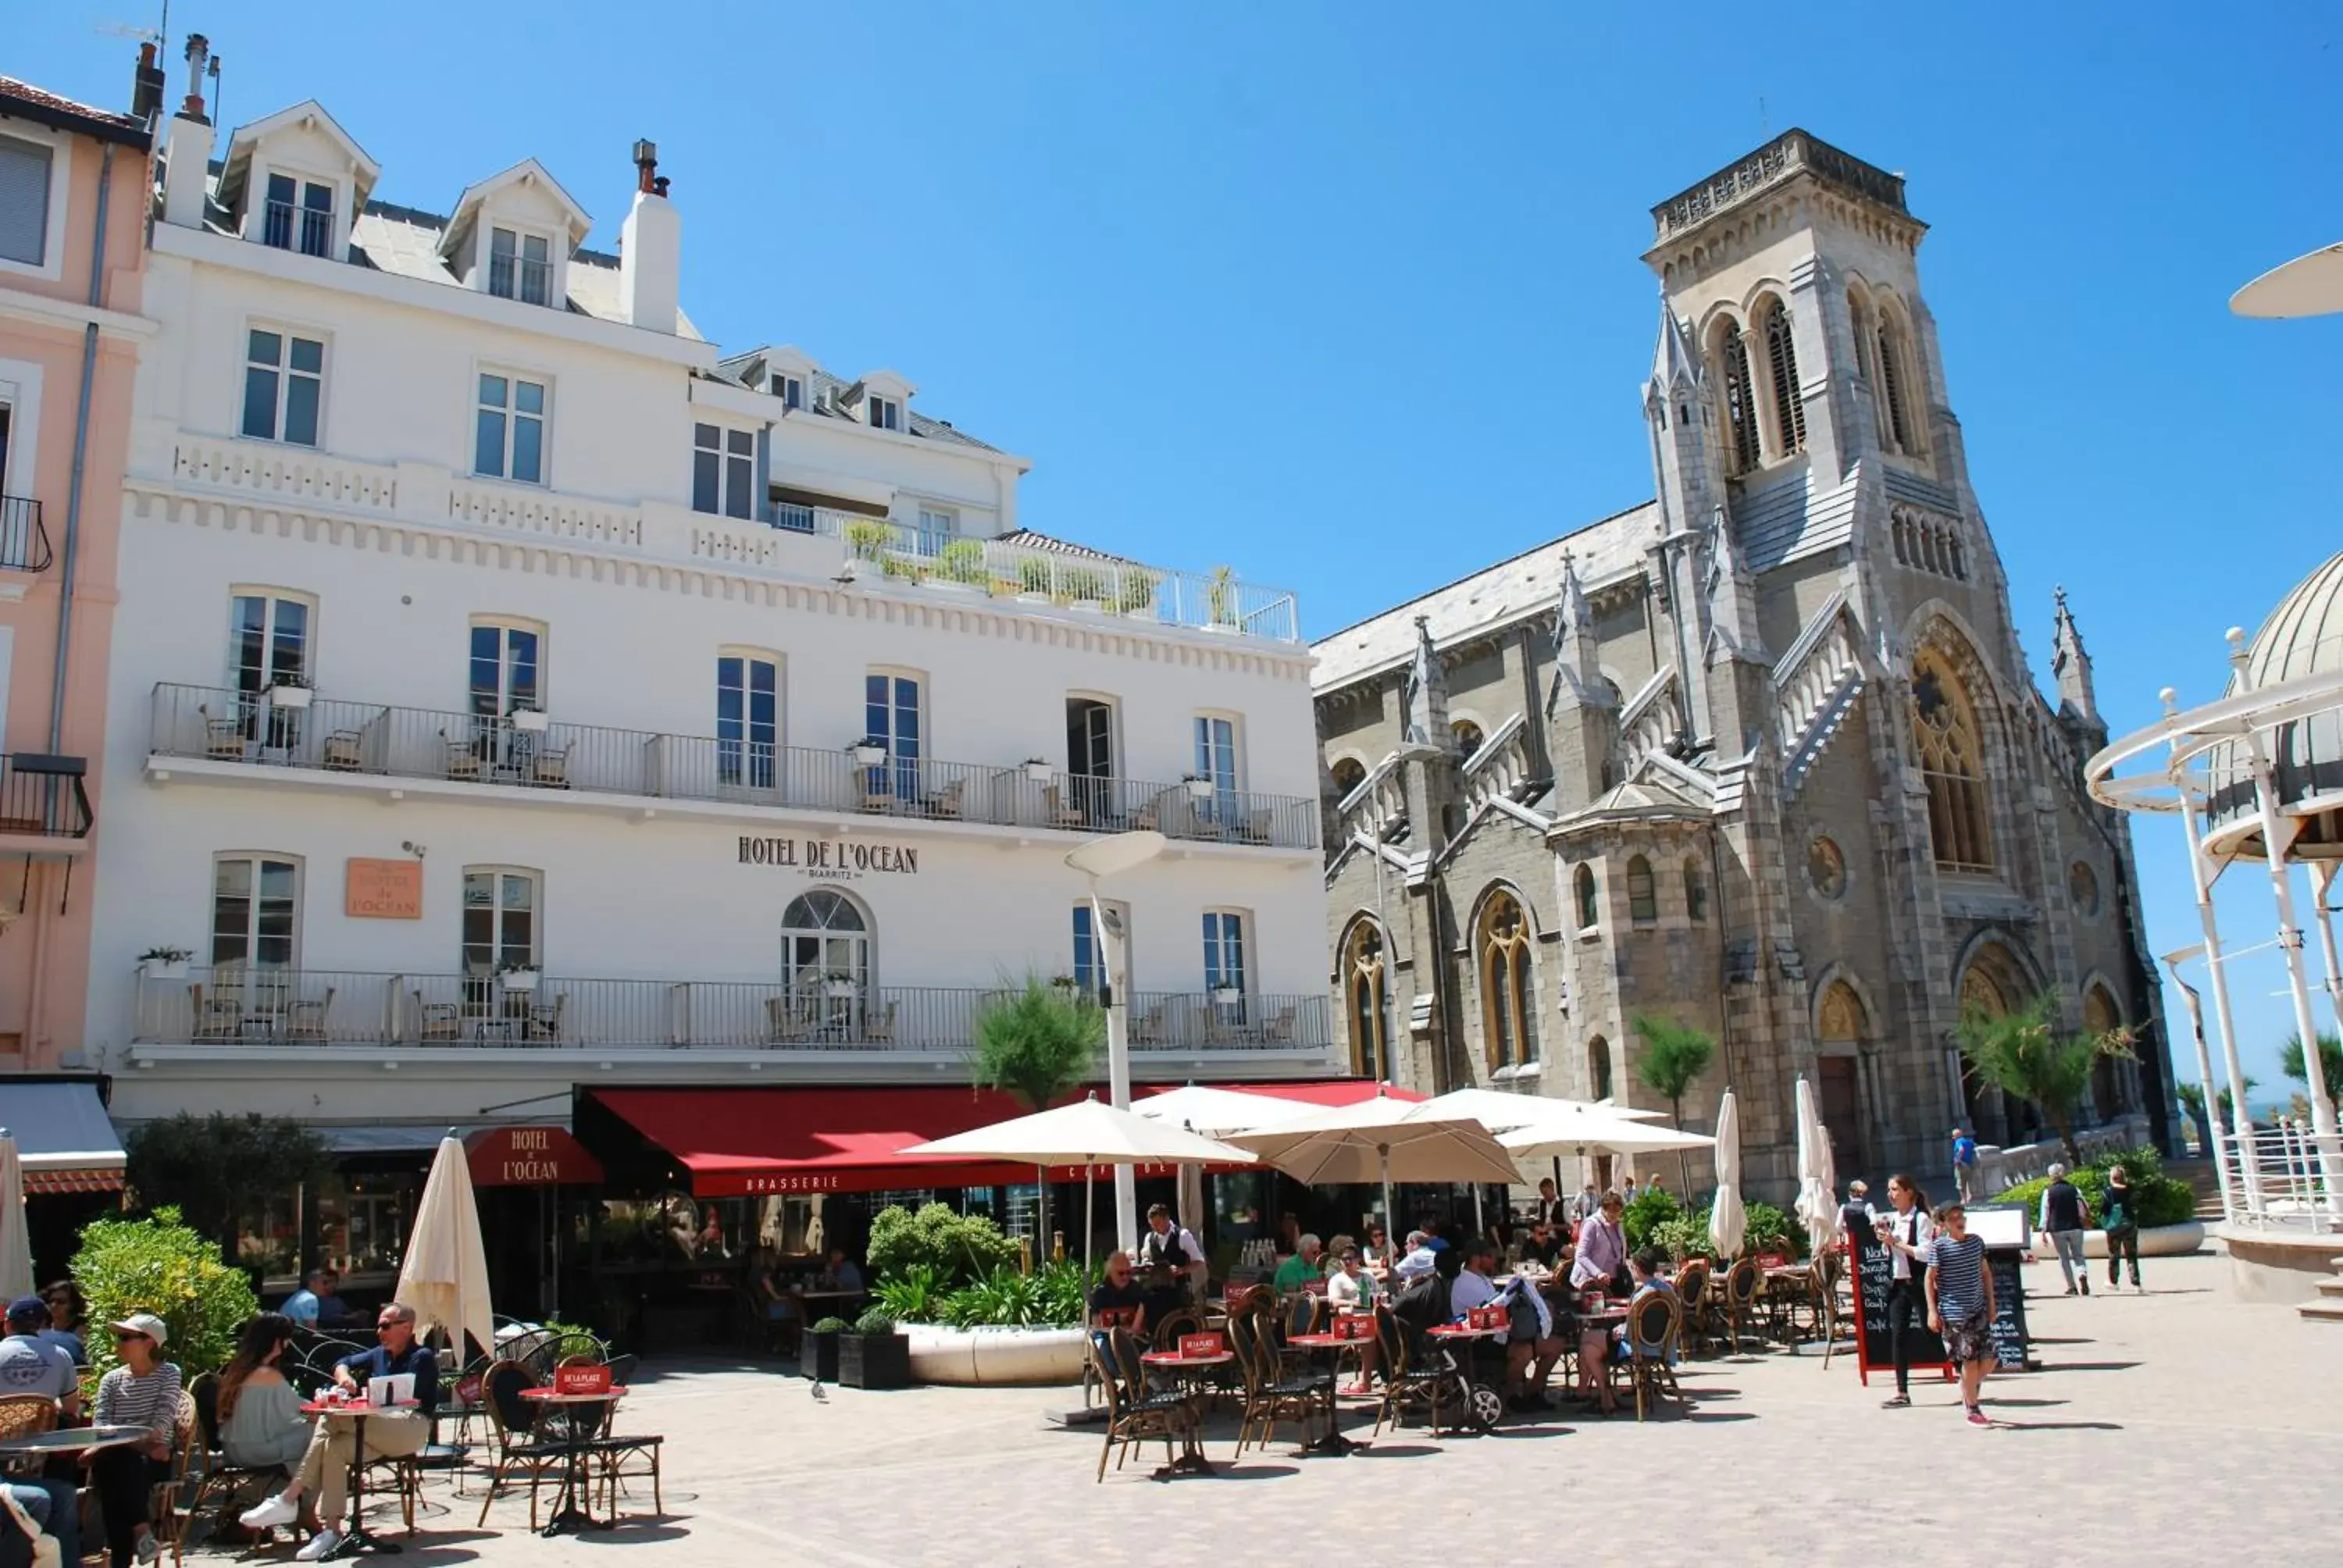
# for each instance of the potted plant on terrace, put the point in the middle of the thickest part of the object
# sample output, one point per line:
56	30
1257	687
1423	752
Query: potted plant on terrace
837	985
1198	787
870	751
289	691
874	1355
518	974
820	1357
528	719
1038	771
165	963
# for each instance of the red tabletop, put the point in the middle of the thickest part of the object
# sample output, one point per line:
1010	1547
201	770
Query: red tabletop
359	1407
1459	1331
1324	1342
1175	1359
548	1396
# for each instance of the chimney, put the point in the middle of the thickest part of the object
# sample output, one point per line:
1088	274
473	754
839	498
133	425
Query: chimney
188	144
651	249
146	85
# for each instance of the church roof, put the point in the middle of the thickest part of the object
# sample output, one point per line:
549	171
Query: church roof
1606	552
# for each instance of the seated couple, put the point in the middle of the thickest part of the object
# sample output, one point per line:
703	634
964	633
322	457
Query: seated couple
1600	1346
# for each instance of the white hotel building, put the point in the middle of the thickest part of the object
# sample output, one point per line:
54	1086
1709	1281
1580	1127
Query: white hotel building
514	695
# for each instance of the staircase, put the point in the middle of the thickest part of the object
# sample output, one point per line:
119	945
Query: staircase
2204	1181
2329	1307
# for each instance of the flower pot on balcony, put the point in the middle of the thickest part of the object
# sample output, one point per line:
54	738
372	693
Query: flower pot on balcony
292	696
530	720
867	755
164	968
1038	771
1226	996
838	990
518	980
1198	788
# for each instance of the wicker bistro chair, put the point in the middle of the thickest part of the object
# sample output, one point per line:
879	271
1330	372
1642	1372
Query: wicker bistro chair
518	1450
164	1507
463	760
1693	1290
345	751
610	1454
441	1022
1736	1300
1133	1414
1271	1395
310	1018
221	1480
23	1415
544	1024
1413	1373
1654	1320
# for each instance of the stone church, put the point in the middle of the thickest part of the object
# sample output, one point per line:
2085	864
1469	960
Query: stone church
1761	753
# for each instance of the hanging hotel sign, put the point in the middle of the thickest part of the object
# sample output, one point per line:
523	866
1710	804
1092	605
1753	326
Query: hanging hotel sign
830	859
383	890
528	1157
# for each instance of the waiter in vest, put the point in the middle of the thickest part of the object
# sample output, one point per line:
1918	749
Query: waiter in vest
1906	1232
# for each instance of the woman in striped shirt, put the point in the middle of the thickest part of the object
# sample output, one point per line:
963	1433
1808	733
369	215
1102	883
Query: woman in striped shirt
1960	1302
143	1391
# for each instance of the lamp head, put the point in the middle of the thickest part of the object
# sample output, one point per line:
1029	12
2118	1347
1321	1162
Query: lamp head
1106	856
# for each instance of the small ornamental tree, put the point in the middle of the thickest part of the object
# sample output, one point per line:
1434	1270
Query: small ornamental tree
1673	1056
2024	1054
219	1170
161	1265
1038	1044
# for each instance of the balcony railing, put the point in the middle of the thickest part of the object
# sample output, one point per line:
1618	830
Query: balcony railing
42	795
242	1005
360	738
24	542
518	278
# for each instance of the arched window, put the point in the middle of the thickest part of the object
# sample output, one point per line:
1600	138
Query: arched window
1840	1020
1367	992
1981	995
1508	1000
826	958
1582	889
1858	316
1642	893
1468	737
1781	360
1952	761
2101	1017
1896	421
1740	405
1598	1069
1696	891
1349	774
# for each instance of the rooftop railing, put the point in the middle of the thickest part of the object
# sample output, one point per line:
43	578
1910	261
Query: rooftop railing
536	752
261	1006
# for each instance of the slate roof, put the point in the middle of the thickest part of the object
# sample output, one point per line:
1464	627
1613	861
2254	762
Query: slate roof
745	368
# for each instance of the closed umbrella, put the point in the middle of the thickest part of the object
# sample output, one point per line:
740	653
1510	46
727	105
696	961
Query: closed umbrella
1728	1220
1817	1172
1379	1139
15	1244
445	1275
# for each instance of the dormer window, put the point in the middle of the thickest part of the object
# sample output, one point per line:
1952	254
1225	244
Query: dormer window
299	216
520	267
790	390
886	413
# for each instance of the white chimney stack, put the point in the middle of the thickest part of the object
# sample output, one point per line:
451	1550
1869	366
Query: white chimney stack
188	146
651	249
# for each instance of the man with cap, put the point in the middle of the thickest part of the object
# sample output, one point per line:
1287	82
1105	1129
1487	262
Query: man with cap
31	1365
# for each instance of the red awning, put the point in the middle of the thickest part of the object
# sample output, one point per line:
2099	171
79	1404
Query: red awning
40	1183
741	1142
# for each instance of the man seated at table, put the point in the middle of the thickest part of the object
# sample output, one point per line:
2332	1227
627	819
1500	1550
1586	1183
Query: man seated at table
1169	1253
31	1365
1307	1265
325	1467
1421	1256
1543	1247
839	1274
314	1305
1528	1337
1120	1301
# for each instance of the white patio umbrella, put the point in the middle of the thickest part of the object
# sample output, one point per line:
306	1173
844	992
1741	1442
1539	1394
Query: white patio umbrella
2307	286
1502	1111
1379	1139
1817	1172
1602	1135
15	1243
1200	1108
1086	1132
445	1275
1728	1219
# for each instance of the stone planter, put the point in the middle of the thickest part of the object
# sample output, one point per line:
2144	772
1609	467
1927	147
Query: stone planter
874	1360
164	968
292	696
819	1359
531	720
994	1357
2154	1240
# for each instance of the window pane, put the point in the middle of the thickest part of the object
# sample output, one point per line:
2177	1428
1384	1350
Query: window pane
301	410
489	447
280	188
741	443
520	648
264	348
705	482
289	639
24	201
492	391
260	403
248	624
318	198
706	437
501	243
529	396
528	435
740	479
532	249
308	354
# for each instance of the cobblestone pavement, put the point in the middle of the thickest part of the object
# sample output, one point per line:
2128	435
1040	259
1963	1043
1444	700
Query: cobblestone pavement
2164	1428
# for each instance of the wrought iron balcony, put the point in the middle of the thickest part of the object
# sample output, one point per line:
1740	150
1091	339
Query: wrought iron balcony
263	1007
42	795
521	754
24	542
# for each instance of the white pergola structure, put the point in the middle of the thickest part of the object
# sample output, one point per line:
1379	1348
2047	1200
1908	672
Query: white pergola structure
2259	776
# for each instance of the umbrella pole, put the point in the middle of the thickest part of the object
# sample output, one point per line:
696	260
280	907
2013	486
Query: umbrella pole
1479	1222
1089	1208
1391	1226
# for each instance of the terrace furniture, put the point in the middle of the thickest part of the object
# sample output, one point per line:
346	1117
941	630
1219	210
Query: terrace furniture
344	752
1272	1394
1278	1031
613	1452
1737	1299
880	1030
543	1024
1254	829
946	802
1149	1029
784	1023
1157	814
548	767
1134	1413
443	1022
22	1414
220	1010
463	760
1057	812
227	1484
223	736
308	1019
1655	1318
1692	1290
1219	1031
1412	1372
516	1447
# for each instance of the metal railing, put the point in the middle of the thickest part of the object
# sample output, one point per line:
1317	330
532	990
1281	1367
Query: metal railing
237	1004
518	278
2289	1178
43	796
24	542
520	752
308	229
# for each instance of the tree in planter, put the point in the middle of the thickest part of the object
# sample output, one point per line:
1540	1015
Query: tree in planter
219	1170
1673	1056
161	1265
1038	1044
2022	1053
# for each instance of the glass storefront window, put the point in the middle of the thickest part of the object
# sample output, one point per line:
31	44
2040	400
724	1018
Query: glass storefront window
362	1219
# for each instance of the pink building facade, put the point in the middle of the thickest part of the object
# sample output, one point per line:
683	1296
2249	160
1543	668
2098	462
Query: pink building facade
74	183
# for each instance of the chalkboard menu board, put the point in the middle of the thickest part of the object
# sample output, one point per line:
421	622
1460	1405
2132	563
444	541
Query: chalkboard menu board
2009	1343
1875	1347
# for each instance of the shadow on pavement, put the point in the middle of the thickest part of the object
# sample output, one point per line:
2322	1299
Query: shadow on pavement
2059	1425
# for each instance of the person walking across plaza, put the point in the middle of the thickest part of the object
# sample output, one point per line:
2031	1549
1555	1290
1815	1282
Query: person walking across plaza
1960	1303
1965	1165
1907	1231
2121	1222
2066	1215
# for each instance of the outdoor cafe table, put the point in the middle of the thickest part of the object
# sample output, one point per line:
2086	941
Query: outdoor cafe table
1190	1371
1333	1442
73	1440
571	1510
358	1411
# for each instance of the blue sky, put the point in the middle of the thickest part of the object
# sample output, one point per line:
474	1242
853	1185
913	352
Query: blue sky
1348	296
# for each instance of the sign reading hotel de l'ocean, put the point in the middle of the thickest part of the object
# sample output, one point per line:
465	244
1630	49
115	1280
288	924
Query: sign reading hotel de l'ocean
830	859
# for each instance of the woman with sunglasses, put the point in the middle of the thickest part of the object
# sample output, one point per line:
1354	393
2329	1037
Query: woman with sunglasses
143	1391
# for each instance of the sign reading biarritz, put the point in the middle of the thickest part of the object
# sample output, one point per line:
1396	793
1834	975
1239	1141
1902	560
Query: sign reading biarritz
838	860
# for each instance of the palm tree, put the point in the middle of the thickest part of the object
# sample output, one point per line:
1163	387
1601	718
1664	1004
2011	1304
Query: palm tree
1037	1043
2024	1055
2192	1101
2330	1060
1674	1055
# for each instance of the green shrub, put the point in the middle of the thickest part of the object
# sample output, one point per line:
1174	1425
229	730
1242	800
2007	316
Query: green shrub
956	1248
1034	574
161	1266
831	1326
875	1321
867	539
1138	589
1685	1236
962	561
1083	583
1767	1229
1066	1293
1650	1209
911	1295
1007	1297
2160	1200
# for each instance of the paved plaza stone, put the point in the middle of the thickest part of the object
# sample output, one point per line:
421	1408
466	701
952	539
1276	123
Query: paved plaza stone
2164	1428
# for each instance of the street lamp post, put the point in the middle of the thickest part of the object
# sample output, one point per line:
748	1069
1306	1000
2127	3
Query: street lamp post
1097	860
